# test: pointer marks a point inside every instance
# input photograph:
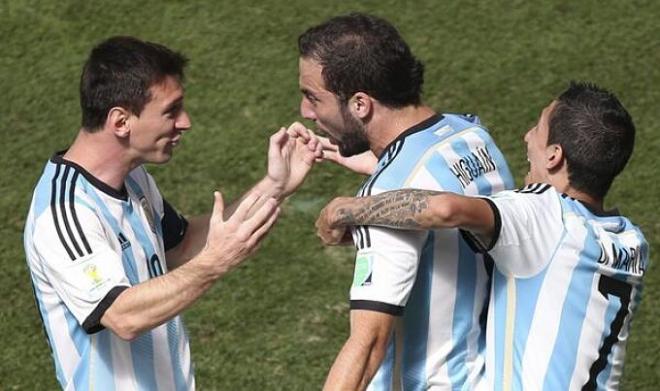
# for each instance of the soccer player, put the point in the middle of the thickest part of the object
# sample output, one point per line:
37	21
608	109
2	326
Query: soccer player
568	274
111	261
417	297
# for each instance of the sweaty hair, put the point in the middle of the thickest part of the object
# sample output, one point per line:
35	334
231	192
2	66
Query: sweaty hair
364	53
119	72
596	134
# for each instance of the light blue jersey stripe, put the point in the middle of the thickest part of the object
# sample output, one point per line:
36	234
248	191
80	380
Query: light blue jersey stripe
127	258
527	295
463	310
439	170
102	375
500	313
172	328
49	331
577	299
416	316
143	345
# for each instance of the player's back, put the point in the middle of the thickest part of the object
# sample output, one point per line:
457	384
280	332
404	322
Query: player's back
563	301
434	282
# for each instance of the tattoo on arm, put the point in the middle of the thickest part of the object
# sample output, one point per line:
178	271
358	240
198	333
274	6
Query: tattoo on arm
396	209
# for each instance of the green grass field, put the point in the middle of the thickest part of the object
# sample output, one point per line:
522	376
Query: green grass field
277	322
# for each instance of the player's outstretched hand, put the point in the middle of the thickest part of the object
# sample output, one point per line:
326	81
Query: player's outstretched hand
328	229
364	163
232	240
291	154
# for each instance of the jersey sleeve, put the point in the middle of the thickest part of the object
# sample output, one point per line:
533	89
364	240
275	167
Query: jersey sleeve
530	228
385	268
80	260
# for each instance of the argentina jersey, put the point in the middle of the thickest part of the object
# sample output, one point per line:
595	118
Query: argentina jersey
86	243
432	281
566	284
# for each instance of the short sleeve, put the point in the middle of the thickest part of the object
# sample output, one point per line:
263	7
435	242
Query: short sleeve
531	226
174	226
385	268
80	261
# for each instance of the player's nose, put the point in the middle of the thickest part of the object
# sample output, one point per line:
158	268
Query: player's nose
183	121
306	110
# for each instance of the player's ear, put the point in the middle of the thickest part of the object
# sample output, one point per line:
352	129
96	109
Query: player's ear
118	121
554	157
360	105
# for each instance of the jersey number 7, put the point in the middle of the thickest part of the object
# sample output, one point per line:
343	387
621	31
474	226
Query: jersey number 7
609	286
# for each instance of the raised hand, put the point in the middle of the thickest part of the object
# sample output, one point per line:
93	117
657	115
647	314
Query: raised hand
231	241
291	154
364	163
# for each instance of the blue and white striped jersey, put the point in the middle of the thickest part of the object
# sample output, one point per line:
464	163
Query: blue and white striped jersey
432	280
566	284
85	243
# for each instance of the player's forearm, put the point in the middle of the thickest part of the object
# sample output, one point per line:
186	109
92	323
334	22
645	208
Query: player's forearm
152	303
361	355
192	243
354	367
403	209
416	209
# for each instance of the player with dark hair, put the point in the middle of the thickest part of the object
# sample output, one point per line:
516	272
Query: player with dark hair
568	273
417	297
111	261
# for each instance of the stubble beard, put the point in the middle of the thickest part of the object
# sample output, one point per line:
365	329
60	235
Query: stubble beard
354	140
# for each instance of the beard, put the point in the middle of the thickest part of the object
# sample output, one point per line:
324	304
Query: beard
354	137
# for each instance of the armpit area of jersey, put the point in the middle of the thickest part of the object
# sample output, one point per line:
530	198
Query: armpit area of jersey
174	226
377	306
476	242
92	323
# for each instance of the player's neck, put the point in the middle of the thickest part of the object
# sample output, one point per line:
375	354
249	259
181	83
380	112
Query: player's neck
593	203
103	158
388	124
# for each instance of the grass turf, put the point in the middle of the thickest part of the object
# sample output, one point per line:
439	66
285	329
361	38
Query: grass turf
278	321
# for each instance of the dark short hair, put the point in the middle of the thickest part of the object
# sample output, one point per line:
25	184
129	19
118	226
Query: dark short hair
365	53
596	134
119	72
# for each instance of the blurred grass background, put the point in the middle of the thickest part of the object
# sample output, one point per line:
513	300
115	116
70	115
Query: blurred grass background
277	322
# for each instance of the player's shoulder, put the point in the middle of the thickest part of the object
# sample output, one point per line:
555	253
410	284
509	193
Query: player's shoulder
463	119
542	196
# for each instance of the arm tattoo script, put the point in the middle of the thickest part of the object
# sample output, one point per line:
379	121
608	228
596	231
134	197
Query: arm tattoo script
395	209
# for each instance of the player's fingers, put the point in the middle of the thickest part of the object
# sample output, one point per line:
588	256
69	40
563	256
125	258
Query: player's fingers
279	138
327	144
258	235
299	130
218	205
261	215
331	156
243	209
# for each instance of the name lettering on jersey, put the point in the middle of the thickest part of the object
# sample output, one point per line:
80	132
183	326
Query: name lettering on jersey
472	166
628	259
123	241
